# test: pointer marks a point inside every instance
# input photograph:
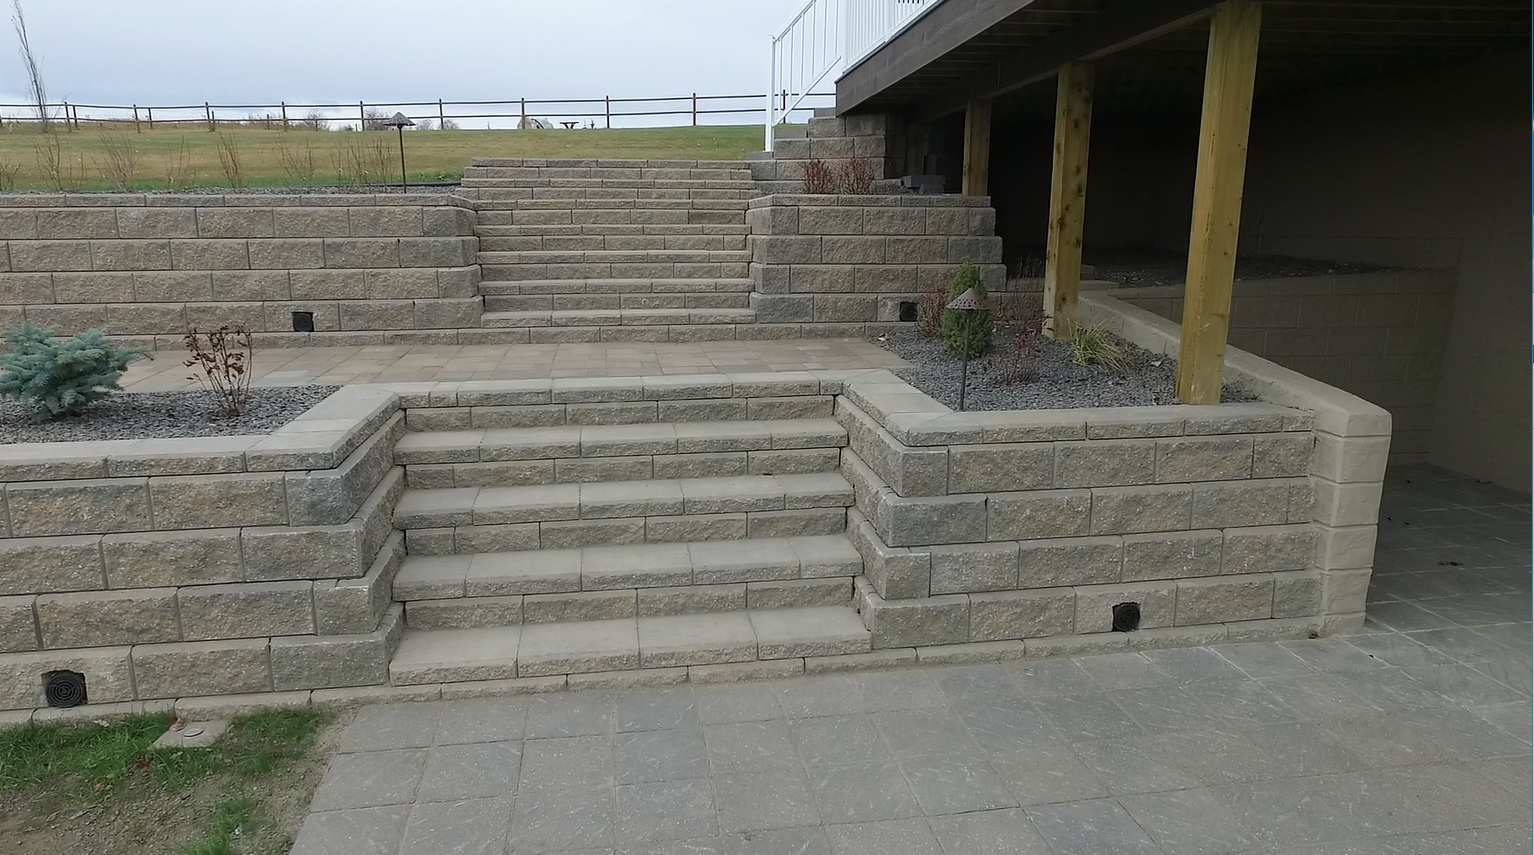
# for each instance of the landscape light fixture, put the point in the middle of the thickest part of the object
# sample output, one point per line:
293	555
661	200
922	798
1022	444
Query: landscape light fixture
967	302
399	121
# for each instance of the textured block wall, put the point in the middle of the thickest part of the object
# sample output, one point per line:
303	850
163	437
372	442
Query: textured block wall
1379	335
834	259
150	267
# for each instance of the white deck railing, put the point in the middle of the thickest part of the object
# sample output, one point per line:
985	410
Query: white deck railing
829	37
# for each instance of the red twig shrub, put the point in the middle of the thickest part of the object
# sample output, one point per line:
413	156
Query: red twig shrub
819	177
855	177
929	312
221	361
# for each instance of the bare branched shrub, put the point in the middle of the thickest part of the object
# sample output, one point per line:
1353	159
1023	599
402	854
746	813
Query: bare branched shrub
1021	316
425	125
373	119
10	171
298	161
228	146
448	125
221	360
314	120
855	177
50	161
361	159
929	311
819	177
119	159
1028	267
37	92
179	170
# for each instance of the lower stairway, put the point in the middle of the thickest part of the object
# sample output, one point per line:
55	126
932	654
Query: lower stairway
713	538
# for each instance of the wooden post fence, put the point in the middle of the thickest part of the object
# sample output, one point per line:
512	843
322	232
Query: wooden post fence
607	111
695	109
151	117
523	123
284	107
208	110
441	116
136	128
362	117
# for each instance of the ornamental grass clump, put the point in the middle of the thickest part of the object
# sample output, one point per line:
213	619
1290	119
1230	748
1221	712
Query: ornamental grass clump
61	377
967	332
1094	345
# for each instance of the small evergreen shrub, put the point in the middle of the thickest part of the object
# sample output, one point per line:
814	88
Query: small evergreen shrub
61	377
967	332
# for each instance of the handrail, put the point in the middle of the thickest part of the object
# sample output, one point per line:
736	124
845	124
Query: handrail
831	36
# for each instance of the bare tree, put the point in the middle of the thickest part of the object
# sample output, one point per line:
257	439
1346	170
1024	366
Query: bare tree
39	92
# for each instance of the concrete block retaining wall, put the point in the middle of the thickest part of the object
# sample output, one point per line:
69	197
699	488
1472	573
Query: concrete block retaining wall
1380	335
147	268
849	261
170	568
1225	521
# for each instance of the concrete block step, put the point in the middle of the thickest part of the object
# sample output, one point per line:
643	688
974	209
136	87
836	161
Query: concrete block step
616	317
625	581
510	214
581	647
500	203
616	194
486	230
791	132
645	333
740	183
605	500
617	286
606	441
646	173
615	163
671	256
618	243
565	302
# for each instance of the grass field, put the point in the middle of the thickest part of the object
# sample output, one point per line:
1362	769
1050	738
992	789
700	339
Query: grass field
189	156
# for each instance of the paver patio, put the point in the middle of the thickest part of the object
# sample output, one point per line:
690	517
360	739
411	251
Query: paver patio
412	363
1408	739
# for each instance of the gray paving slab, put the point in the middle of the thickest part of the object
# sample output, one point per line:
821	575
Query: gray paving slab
1409	738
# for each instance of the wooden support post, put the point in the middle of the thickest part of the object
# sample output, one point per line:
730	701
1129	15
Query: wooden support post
136	128
1067	198
1229	74
151	117
522	123
207	110
607	111
977	147
362	117
441	116
695	109
284	106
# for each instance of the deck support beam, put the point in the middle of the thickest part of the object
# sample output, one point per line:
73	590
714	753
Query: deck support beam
977	147
1229	74
1067	198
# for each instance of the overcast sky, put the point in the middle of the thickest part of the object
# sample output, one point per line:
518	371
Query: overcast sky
260	51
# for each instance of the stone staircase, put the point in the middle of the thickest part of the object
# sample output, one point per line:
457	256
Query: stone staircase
614	250
712	535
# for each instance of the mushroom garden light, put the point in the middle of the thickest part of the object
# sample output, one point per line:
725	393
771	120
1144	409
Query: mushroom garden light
967	302
400	122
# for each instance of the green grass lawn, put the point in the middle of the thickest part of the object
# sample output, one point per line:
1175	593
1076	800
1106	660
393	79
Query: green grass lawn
189	156
102	778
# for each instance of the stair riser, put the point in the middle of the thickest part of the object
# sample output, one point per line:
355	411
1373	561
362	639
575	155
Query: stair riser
617	270
618	287
490	207
527	473
637	197
609	173
570	534
619	317
504	610
612	243
566	302
607	230
615	216
610	183
605	163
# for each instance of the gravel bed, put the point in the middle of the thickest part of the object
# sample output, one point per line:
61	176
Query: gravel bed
1060	383
160	415
1132	269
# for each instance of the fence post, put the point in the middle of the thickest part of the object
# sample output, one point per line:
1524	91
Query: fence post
362	117
208	111
151	117
523	123
695	109
67	125
284	107
607	111
136	128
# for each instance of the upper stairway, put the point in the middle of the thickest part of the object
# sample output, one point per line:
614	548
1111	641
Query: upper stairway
710	532
614	250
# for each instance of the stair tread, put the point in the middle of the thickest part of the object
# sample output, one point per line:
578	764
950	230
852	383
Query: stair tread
616	440
443	506
608	568
432	656
617	317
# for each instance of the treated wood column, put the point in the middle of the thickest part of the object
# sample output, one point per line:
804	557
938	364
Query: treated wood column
1227	117
1067	198
977	147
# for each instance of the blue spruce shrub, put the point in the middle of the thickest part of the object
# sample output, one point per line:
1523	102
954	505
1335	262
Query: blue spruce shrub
61	377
